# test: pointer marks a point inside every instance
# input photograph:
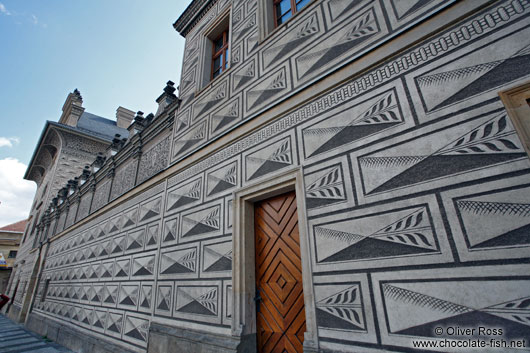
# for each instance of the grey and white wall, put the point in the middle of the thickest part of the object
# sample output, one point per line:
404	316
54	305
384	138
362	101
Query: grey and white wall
416	184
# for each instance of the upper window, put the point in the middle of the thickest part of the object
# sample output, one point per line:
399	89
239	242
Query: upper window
517	103
285	9
220	54
214	50
12	254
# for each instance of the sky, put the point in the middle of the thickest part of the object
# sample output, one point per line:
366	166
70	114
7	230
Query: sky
117	53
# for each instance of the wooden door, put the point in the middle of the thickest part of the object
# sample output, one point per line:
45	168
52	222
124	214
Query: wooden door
280	316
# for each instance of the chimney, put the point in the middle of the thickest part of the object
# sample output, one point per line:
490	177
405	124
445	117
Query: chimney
72	109
166	98
124	117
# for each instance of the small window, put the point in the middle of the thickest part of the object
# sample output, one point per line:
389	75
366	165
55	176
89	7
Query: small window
285	9
517	103
12	254
45	290
220	54
35	221
215	50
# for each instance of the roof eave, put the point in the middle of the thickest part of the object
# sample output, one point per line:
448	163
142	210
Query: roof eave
37	148
189	15
59	127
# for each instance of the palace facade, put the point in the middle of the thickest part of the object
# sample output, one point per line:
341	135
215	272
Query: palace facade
334	175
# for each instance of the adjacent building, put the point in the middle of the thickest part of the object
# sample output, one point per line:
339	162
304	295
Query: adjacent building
10	237
333	175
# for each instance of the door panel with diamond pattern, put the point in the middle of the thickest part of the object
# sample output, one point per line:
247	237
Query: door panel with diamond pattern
281	314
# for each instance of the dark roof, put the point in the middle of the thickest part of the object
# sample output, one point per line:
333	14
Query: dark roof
89	125
94	126
17	227
99	126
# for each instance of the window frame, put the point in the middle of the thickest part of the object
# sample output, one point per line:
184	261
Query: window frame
207	47
293	9
45	290
222	51
516	100
268	20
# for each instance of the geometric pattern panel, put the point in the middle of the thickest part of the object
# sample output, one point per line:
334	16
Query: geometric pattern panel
152	236
325	187
372	116
216	258
449	85
114	324
296	37
198	301
128	296
185	195
201	223
506	223
136	328
492	220
252	42
143	266
359	31
214	97
268	89
503	222
98	320
122	268
222	180
117	244
406	232
343	309
178	263
402	233
146	295
136	240
227	317
164	297
110	295
339	9
269	158
245	75
248	25
129	217
154	159
401	12
182	120
226	116
414	304
442	156
150	209
170	234
190	139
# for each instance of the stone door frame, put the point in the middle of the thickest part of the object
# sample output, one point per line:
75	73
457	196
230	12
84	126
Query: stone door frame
243	264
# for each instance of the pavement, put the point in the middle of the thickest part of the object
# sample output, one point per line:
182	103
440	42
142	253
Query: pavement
14	338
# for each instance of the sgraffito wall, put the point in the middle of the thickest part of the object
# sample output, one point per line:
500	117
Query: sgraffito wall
61	157
416	185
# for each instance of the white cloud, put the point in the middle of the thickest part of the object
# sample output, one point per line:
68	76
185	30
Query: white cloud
8	141
16	194
4	10
36	22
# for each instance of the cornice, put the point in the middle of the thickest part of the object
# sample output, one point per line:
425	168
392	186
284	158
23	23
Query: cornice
192	15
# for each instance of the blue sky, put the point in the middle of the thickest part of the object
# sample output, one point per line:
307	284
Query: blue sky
118	52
